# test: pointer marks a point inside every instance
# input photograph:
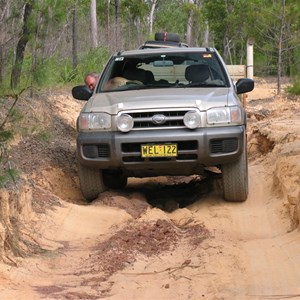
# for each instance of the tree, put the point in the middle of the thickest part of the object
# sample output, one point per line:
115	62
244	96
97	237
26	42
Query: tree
94	26
171	16
193	23
277	30
134	14
228	21
4	8
74	36
151	14
20	50
117	24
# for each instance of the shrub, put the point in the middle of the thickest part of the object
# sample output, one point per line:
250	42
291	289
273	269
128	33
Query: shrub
295	88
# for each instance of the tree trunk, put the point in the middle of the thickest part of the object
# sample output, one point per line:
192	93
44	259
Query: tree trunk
3	12
206	35
225	49
74	37
117	30
280	42
107	22
20	50
1	64
151	16
94	27
189	25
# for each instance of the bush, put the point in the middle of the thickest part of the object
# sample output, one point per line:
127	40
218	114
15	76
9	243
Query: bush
295	88
56	71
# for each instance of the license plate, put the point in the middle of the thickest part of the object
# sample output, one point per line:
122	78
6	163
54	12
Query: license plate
163	150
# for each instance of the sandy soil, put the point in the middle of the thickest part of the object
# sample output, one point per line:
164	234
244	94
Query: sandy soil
160	238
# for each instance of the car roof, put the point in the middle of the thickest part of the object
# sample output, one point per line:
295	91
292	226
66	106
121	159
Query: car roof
161	44
164	50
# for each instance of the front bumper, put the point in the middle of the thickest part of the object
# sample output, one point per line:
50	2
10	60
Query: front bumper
197	149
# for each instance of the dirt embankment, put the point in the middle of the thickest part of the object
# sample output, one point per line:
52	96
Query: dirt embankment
160	238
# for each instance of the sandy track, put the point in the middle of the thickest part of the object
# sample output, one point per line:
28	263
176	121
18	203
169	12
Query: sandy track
206	249
250	254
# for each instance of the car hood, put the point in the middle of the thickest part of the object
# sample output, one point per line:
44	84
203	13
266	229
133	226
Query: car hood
202	98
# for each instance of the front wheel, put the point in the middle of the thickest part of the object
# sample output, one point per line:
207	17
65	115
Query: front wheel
235	179
91	182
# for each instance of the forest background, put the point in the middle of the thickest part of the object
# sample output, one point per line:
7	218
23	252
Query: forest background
48	43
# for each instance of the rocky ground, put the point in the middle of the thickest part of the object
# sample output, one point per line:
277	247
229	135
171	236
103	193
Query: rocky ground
160	238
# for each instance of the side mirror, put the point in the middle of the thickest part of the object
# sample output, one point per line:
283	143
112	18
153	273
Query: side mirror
244	85
81	92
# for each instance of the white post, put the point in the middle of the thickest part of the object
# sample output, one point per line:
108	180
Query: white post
249	70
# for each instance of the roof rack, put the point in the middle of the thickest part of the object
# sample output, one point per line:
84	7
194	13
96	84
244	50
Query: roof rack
164	40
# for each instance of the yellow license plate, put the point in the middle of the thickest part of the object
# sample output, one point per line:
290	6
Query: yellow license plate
164	150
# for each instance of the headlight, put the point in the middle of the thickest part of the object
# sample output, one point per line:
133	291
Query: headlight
224	115
124	123
94	121
192	119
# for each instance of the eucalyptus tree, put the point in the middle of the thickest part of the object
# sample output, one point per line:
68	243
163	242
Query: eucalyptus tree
194	25
134	15
152	5
277	32
94	24
4	37
228	25
171	17
74	35
43	28
21	45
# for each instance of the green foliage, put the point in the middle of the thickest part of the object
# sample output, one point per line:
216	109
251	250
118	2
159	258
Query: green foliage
44	136
295	88
229	21
5	136
275	25
170	18
8	175
6	172
56	71
16	116
133	9
215	13
48	57
91	61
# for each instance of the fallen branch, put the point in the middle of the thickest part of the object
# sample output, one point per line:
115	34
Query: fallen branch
16	96
170	270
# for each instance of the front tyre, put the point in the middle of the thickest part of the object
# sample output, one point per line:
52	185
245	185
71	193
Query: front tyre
91	182
235	179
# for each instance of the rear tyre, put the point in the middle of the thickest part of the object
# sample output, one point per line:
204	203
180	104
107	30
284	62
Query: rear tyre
167	36
115	181
235	179
91	182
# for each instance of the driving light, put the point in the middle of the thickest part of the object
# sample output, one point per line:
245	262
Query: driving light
125	123
192	119
94	121
224	115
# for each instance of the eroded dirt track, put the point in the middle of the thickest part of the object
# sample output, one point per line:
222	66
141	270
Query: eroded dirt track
161	238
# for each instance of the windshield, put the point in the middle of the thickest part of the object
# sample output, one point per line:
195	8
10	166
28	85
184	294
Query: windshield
180	70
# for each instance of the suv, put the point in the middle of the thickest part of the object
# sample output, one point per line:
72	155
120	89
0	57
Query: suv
160	112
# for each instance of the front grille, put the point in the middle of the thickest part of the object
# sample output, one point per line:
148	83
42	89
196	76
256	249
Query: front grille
223	146
146	120
96	151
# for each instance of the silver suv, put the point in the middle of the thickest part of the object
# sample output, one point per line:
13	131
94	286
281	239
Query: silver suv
160	112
